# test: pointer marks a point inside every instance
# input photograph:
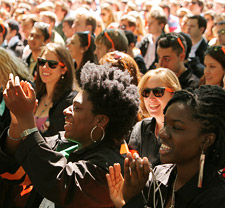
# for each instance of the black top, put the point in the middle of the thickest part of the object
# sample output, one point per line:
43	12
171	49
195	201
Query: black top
188	196
143	140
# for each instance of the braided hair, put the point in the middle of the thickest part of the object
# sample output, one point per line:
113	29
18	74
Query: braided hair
208	106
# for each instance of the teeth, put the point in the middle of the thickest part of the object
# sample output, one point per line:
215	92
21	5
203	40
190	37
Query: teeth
165	147
67	122
44	73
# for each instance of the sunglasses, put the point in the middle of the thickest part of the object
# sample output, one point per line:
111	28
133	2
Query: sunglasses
172	38
123	27
51	63
157	91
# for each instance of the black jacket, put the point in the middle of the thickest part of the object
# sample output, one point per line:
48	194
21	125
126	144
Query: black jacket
200	52
78	181
56	118
188	196
144	141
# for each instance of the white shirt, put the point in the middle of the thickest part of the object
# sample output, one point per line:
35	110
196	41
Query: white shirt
194	48
150	53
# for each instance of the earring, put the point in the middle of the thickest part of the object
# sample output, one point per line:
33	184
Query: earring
62	77
201	169
103	133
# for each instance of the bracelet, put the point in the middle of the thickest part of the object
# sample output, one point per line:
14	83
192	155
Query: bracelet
14	139
28	132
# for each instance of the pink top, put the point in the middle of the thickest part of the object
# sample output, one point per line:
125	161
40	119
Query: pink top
42	123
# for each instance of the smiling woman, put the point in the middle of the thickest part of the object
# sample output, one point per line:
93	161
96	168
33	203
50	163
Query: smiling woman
101	116
156	88
54	83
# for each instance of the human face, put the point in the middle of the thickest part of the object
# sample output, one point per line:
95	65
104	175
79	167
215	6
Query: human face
153	26
221	34
26	28
213	71
59	13
180	136
79	24
194	8
36	39
68	31
80	120
192	28
100	50
169	59
153	104
48	75
74	47
105	15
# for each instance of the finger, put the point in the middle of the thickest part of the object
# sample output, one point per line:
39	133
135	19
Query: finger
11	79
146	166
139	167
117	172
17	81
126	170
31	92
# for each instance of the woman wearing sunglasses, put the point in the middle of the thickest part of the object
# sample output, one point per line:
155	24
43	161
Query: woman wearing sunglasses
82	47
54	83
156	88
214	66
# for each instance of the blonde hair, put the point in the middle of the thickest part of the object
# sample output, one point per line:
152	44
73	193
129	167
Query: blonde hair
166	76
9	63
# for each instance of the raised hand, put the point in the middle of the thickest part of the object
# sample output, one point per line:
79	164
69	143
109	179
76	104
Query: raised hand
136	174
19	97
115	182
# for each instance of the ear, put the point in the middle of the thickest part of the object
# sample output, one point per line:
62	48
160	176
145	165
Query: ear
202	29
47	41
13	32
182	56
102	120
64	70
207	140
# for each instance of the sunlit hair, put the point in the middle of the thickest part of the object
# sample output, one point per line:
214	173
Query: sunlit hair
167	76
111	93
124	62
207	105
109	9
117	36
9	63
63	85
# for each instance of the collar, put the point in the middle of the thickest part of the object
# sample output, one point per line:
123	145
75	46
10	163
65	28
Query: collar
14	40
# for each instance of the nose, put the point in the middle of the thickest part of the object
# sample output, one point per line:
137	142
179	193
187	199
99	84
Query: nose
151	95
206	71
163	133
68	110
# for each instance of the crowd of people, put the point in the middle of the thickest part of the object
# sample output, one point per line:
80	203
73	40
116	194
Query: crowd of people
112	103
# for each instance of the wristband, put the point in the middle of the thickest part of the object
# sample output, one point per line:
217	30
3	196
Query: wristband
28	132
14	139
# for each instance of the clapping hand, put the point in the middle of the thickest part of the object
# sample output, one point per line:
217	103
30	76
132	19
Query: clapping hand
136	173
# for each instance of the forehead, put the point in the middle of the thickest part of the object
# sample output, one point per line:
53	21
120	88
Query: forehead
36	32
192	21
179	111
166	52
152	19
49	55
154	81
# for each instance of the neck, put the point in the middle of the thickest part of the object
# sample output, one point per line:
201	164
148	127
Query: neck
49	90
186	172
155	36
35	54
196	40
78	61
159	125
182	69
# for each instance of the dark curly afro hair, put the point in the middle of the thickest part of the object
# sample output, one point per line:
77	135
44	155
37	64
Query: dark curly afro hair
111	93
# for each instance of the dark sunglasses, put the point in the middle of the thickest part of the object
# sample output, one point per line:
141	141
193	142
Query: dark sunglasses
51	63
221	32
157	91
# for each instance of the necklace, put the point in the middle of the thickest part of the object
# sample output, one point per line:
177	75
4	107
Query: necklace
45	108
173	195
